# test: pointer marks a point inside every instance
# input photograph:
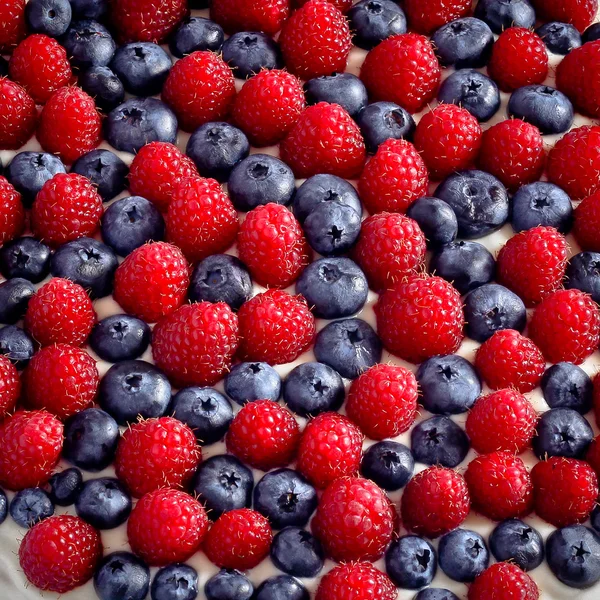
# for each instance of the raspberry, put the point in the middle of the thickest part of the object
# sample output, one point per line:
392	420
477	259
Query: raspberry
513	151
420	318
157	453
146	20
152	281
61	379
593	454
434	502
383	401
275	327
18	115
60	312
500	486
201	219
156	171
12	213
325	139
195	344
31	443
355	581
60	553
503	581
10	387
586	226
502	420
394	178
518	58
354	520
264	435
425	16
315	40
13	27
342	5
402	69
268	106
330	447
580	13
166	526
250	15
239	539
566	326
566	490
200	88
596	396
40	64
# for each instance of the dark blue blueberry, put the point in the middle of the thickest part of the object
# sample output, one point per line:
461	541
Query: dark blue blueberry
196	33
478	199
324	188
566	385
344	89
3	506
472	90
448	384
543	106
436	220
297	552
16	345
175	582
30	506
562	432
573	555
594	518
439	441
91	439
349	346
104	503
559	38
411	562
216	148
260	179
105	170
249	381
281	587
120	337
14	297
65	486
541	203
517	542
332	228
435	594
223	483
464	43
89	9
501	14
583	273
88	44
26	258
389	464
229	584
372	21
382	121
248	52
122	576
104	86
50	17
490	308
207	412
592	33
463	555
143	67
89	263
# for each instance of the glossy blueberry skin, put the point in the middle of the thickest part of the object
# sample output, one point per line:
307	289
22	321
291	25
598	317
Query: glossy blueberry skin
104	86
143	67
25	258
381	121
595	519
439	441
566	385
372	21
249	381
591	33
105	170
104	503
28	171
50	17
411	562
543	106
248	52
436	220
463	555
389	464
344	89
297	552
65	486
464	43
501	14
16	345
516	541
435	594
30	506
541	204
3	506
196	33
89	9
229	584
15	295
560	38
562	432
120	337
122	576
281	586
583	273
332	228
175	582
89	44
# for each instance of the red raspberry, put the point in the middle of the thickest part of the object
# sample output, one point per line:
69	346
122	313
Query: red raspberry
580	13
500	486
239	539
503	581
18	115
513	151
343	5
31	443
502	420
356	581
60	553
152	281
157	453
566	326
325	139
12	213
596	396
201	219
420	318
566	490
166	526
586	226
250	15
434	502
518	58
10	387
146	20
425	16
402	69
195	344
268	106
275	327
354	520
315	40
330	447
40	64
593	454
13	27
394	178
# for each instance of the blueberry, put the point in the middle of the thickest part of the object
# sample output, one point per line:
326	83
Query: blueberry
143	67
223	483
389	464
559	38
566	385
91	439
562	432
332	228
490	308
435	594
30	506
175	582
25	257
344	89
583	273
16	345
543	106
448	384
260	179
103	503
89	9
592	33
472	90
296	552
104	86
120	337
207	412
3	506
439	441
382	121
281	587
14	297
65	486
249	381
541	203
89	263
573	555
594	518
373	21
196	33
89	44
515	541
105	170
436	220
349	346
501	14
248	52
411	562
216	148
50	17
463	555
479	201
122	576
464	43
229	584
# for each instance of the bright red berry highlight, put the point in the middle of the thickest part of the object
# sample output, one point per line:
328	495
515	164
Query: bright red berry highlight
586	226
18	115
503	581
580	13
10	387
146	20
351	581
425	16
12	212
13	27
250	15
